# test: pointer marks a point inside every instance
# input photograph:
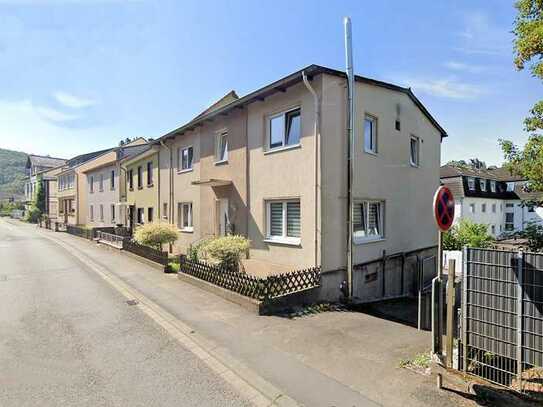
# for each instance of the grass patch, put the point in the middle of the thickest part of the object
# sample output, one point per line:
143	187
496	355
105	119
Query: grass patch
420	361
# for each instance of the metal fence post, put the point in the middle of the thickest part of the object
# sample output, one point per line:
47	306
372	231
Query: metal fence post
464	308
520	279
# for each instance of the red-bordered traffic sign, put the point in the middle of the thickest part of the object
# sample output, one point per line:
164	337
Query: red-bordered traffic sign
444	208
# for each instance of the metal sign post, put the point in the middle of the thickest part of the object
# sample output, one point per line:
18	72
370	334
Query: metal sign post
444	216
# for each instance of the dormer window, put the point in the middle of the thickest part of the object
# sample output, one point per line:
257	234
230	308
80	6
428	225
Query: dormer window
482	185
492	186
471	183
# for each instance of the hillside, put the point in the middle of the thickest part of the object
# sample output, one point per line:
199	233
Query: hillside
12	171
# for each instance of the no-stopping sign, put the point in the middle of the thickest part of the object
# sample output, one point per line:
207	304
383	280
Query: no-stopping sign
444	208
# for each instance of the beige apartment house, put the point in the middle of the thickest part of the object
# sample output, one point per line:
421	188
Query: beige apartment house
272	166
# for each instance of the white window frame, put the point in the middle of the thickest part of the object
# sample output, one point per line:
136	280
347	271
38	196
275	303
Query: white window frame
101	183
374	149
472	208
492	185
416	162
361	237
471	183
510	186
283	239
483	208
284	145
140	220
181	217
482	184
494	206
112	180
112	214
220	138
91	184
149	175
180	159
91	211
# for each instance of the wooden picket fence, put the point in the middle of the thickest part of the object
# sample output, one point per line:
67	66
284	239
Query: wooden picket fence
259	288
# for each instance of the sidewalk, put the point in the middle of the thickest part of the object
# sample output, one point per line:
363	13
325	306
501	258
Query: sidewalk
326	359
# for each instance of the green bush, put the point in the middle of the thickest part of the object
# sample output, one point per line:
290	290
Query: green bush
534	233
156	234
226	251
467	233
33	215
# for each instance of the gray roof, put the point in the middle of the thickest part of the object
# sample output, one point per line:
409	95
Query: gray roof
498	174
131	151
44	161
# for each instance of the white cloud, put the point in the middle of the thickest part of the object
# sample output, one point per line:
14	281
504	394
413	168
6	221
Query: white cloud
446	88
482	36
52	114
460	66
73	101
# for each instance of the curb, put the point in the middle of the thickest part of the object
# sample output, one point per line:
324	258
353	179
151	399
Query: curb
246	381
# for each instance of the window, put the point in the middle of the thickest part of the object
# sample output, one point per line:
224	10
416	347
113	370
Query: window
91	212
165	210
101	183
149	173
510	186
221	147
150	212
285	129
112	180
509	205
101	213
140	180
483	208
284	221
472	208
414	151
368	220
370	134
492	186
397	125
185	158
509	221
493	208
112	208
482	184
184	216
493	229
91	184
140	215
131	179
531	208
471	183
501	207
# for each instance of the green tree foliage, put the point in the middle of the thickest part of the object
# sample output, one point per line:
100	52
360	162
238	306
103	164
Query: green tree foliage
472	163
39	201
12	171
467	233
534	233
528	48
156	234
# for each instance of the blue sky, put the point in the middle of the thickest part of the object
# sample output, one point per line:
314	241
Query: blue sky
79	75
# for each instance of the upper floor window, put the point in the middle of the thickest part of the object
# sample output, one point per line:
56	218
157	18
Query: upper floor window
368	220
112	180
112	209
370	134
140	175
414	152
101	213
284	221
91	184
185	155
472	208
493	208
101	184
285	129
492	186
149	173
221	147
482	184
483	208
130	179
471	183
510	186
91	212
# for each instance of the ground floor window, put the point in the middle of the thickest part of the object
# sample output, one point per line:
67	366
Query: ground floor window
101	213
509	221
91	212
284	221
165	210
184	216
368	220
112	213
140	215
150	213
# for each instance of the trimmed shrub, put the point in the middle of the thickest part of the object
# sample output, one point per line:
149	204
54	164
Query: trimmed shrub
467	233
33	215
226	251
156	234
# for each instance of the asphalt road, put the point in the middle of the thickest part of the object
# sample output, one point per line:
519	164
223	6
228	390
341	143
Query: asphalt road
68	339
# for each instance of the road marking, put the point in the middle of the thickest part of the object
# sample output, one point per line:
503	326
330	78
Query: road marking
260	393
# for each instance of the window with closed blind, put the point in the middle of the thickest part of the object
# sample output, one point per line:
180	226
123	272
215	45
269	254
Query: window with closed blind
284	221
368	222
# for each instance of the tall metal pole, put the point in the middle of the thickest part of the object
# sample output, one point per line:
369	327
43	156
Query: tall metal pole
350	148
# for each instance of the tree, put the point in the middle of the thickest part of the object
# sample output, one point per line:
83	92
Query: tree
467	233
39	202
534	233
472	163
156	234
528	47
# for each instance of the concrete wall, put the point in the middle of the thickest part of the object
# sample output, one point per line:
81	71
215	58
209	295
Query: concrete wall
388	176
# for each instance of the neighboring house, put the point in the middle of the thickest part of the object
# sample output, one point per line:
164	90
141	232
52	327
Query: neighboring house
142	187
49	182
106	186
36	164
272	166
490	196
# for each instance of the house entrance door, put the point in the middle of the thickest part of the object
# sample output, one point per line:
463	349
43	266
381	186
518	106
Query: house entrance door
224	220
